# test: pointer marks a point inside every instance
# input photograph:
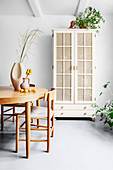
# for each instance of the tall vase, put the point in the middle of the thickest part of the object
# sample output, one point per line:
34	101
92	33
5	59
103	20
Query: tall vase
17	73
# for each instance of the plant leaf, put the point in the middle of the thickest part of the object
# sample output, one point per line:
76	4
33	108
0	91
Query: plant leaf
102	114
105	86
90	8
100	94
111	115
94	105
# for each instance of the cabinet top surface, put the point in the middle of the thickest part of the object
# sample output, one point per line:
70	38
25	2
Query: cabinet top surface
67	29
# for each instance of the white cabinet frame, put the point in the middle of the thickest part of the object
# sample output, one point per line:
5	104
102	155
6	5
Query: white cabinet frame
74	105
55	62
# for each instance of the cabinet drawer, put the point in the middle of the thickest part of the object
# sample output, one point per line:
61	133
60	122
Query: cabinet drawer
74	113
72	107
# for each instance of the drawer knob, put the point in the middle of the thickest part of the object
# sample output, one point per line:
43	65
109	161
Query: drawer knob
85	107
85	113
62	113
62	107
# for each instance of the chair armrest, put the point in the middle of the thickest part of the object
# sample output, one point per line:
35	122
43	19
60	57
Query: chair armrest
38	101
52	89
32	85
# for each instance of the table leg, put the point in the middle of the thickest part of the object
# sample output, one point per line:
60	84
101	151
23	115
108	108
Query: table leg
2	118
28	129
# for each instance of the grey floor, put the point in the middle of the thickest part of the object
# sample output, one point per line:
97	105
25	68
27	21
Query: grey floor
77	145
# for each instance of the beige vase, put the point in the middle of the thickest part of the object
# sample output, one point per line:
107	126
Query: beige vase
17	73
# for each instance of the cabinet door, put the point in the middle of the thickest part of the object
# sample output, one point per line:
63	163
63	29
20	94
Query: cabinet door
63	62
85	67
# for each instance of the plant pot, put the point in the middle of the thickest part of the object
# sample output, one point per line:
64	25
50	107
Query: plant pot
81	27
25	84
72	25
17	73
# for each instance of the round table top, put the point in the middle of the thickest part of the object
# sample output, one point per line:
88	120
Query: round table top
9	96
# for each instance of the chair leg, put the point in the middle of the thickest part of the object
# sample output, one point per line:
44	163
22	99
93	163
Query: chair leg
38	122
17	133
31	120
53	120
13	114
2	117
48	135
38	102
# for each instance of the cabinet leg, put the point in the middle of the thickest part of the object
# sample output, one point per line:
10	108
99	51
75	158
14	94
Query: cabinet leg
93	119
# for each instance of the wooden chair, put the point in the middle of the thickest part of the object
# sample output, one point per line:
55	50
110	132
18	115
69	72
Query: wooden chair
38	112
11	107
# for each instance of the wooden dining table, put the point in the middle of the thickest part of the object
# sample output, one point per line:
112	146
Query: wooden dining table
9	96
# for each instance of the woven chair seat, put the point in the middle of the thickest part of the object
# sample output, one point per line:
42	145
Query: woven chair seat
37	113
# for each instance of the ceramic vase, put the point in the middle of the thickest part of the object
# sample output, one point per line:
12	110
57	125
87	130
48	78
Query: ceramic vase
25	84
17	73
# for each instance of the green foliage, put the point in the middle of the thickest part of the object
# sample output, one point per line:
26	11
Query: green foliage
94	105
105	85
89	19
106	112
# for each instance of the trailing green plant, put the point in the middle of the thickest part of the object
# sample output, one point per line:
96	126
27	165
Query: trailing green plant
25	43
89	19
106	111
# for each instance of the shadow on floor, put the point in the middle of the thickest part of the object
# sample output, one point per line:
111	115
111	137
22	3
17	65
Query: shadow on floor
74	118
101	129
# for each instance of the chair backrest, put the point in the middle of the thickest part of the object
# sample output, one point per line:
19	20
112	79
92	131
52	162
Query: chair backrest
49	96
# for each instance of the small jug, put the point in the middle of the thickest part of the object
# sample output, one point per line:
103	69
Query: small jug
25	84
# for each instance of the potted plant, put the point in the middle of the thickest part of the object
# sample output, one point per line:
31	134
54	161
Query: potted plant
106	111
89	19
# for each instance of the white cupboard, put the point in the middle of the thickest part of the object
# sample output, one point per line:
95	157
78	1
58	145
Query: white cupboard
74	72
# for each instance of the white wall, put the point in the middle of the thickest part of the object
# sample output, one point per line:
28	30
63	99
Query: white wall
15	7
104	58
41	60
